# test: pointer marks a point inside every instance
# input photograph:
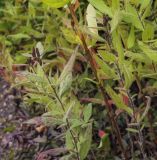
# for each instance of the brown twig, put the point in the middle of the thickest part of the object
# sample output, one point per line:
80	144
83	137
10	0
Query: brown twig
89	54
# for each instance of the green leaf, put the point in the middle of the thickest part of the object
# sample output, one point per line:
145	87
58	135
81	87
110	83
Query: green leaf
148	33
69	111
70	36
76	123
105	67
127	70
69	141
65	78
116	20
107	57
138	57
87	112
115	5
20	59
148	51
131	38
65	84
91	19
102	7
146	109
6	59
56	3
132	130
147	12
134	2
144	4
118	100
118	45
18	37
131	16
84	144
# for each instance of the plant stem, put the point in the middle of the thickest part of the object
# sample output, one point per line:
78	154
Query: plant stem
74	139
100	83
67	120
140	136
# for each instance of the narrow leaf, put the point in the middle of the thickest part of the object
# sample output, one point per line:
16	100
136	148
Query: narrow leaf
118	100
56	3
87	112
132	130
131	38
105	67
91	19
148	33
116	20
102	7
148	51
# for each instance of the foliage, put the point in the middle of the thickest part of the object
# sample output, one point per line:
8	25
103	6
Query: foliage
92	66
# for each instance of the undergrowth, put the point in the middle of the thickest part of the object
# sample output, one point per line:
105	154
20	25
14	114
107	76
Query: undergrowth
89	67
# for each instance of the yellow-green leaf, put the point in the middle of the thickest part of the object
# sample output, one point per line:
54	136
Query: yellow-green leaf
117	43
108	71
131	38
101	6
131	16
144	4
115	4
148	33
107	57
70	36
148	51
116	19
132	130
56	3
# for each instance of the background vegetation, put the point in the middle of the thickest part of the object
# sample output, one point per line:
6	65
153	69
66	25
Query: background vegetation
81	76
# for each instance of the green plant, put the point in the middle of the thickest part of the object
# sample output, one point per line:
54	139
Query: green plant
87	55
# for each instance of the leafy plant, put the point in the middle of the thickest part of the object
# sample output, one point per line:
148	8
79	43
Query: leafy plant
92	67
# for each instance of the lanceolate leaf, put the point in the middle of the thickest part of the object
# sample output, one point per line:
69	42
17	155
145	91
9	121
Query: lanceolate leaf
65	78
118	45
69	142
107	57
70	36
138	57
131	38
85	142
144	4
127	70
131	16
146	109
56	3
116	19
105	67
102	7
148	33
69	66
148	51
91	19
115	4
132	130
118	100
87	112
